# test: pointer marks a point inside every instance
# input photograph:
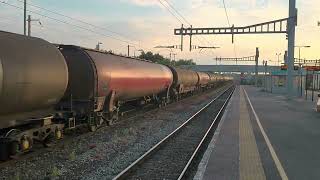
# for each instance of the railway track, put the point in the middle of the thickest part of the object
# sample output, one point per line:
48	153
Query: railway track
175	155
82	132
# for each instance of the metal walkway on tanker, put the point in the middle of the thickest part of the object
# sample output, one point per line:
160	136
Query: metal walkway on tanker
264	136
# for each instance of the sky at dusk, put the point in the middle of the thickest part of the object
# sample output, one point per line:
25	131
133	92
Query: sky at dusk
146	24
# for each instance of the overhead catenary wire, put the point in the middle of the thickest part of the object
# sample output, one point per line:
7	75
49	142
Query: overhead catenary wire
10	20
170	11
177	13
65	22
229	24
226	12
187	22
75	19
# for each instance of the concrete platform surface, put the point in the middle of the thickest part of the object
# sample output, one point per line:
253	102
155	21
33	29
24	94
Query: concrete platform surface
264	136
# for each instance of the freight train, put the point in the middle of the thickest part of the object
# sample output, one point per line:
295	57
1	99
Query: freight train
46	88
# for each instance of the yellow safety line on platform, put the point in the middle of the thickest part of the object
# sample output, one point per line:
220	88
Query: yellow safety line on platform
272	151
250	163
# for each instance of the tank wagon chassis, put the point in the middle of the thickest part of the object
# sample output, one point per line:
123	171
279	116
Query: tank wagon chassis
21	139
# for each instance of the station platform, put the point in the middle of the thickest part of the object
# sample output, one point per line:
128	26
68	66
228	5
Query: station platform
264	136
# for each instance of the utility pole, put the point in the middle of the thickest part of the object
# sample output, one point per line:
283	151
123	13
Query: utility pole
292	22
265	64
29	24
285	56
98	46
174	56
25	17
278	54
182	39
128	50
256	67
190	48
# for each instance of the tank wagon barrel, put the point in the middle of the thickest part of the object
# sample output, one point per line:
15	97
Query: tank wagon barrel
110	80
33	78
204	79
184	82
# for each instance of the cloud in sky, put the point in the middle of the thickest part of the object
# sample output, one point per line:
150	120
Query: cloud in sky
147	23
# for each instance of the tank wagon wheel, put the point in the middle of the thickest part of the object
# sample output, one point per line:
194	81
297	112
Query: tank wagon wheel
164	102
113	117
17	145
58	134
25	143
178	97
53	137
95	121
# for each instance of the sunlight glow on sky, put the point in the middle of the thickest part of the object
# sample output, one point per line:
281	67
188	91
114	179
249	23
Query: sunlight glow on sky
149	24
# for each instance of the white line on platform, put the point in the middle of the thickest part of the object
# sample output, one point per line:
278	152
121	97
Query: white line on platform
272	151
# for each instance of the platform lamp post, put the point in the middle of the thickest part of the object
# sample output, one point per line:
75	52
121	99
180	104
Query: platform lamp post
300	67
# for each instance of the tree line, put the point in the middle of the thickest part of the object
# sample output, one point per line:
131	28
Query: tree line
157	58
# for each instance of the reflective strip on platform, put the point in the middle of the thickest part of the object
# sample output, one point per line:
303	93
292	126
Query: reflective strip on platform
250	165
270	147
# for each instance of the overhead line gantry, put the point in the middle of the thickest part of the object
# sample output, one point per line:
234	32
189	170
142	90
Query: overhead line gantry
286	26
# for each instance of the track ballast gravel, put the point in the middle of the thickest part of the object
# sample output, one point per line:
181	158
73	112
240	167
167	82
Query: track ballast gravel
169	160
106	152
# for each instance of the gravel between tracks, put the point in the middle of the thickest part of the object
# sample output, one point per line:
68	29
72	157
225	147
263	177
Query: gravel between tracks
170	159
106	152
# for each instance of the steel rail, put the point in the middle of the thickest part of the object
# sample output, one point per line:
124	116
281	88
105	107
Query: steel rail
127	170
182	174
